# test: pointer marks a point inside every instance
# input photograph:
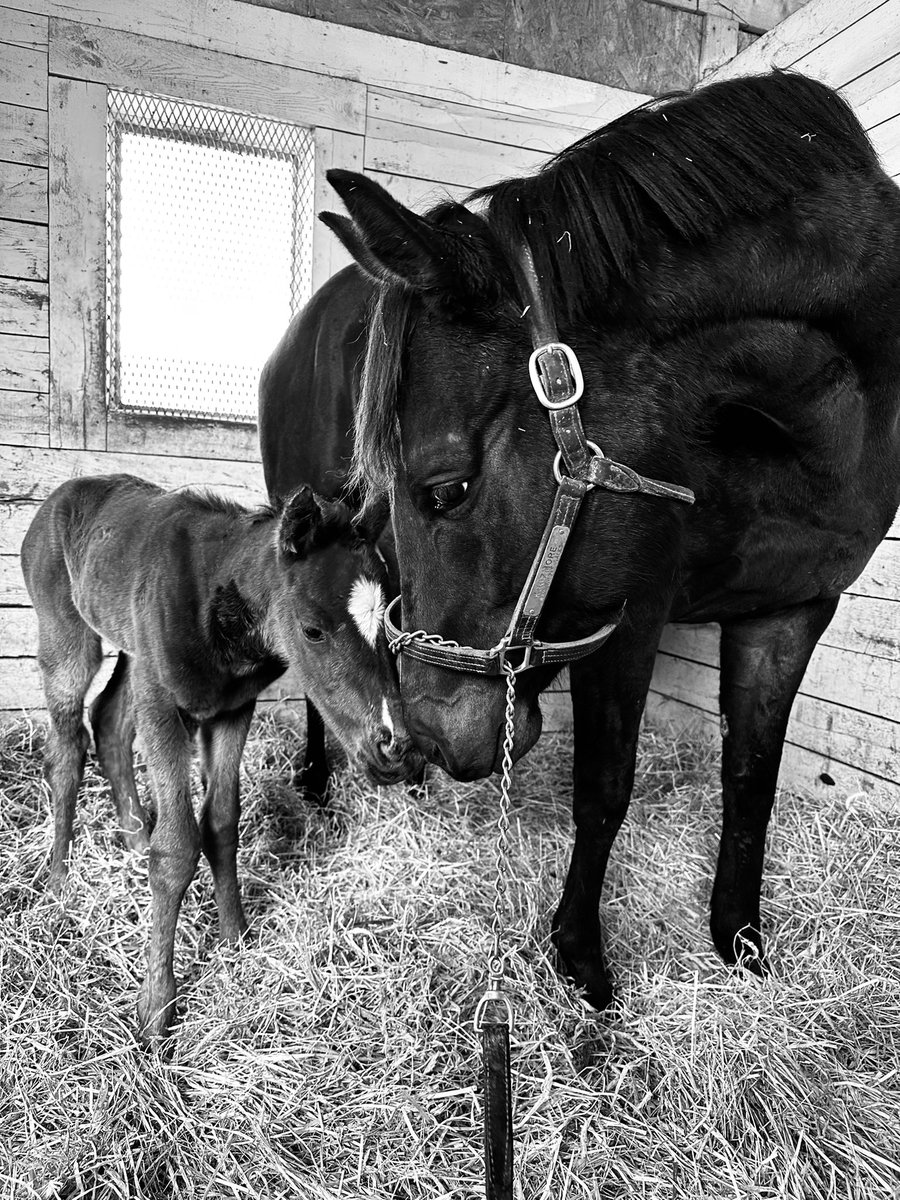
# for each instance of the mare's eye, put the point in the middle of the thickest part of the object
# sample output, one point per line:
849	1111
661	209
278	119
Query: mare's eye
448	495
312	634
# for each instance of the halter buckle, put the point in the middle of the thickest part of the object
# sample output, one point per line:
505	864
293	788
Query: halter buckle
574	370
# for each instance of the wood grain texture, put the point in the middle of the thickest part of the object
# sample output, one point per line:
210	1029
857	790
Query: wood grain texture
23	192
468	26
874	93
332	149
14	521
718	43
444	157
24	370
23	76
24	418
468	120
26	30
881	577
810	27
418	194
138	433
23	135
19	636
639	47
862	44
23	307
12	585
162	67
32	474
336	50
78	263
23	250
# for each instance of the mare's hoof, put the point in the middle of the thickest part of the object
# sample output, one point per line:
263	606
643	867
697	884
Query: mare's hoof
742	948
589	975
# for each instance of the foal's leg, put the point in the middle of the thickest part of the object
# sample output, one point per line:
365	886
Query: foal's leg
608	694
69	656
316	771
174	848
762	664
222	744
112	721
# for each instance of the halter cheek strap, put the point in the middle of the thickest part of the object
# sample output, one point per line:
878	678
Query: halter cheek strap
579	467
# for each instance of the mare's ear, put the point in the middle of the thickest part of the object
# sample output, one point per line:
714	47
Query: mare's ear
308	521
456	256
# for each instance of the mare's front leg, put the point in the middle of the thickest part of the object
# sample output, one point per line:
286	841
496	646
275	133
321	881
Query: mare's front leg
762	664
316	772
221	745
609	690
174	846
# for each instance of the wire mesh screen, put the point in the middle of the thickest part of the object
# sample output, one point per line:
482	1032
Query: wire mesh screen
209	252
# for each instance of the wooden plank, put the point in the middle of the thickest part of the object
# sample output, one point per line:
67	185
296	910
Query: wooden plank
869	742
335	50
23	250
19	636
23	307
874	94
138	63
332	149
755	15
808	771
468	120
418	194
21	690
886	139
134	433
638	46
14	521
444	157
78	263
24	418
24	370
855	49
23	77
471	28
881	577
866	625
12	585
23	192
23	135
719	43
23	29
32	474
810	27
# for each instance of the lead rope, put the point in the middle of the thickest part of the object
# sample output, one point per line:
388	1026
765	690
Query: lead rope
495	1032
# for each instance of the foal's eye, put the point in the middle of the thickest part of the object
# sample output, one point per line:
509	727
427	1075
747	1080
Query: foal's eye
449	495
312	634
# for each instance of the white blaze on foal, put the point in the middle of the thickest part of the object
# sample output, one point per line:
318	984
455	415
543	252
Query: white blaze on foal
366	606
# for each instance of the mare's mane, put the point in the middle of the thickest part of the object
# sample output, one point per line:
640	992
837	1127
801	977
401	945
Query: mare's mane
675	170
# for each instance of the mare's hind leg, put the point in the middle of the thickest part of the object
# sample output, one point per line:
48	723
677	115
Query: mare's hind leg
316	773
221	746
762	664
112	721
174	846
69	656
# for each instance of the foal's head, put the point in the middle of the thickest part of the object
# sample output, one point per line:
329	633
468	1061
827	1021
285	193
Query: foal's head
327	610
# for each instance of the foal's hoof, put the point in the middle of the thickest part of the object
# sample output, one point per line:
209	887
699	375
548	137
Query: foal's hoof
154	1021
312	784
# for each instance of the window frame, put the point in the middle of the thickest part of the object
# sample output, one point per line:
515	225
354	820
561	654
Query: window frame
82	71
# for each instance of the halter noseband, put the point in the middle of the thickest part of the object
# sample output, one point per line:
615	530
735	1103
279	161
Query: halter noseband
559	384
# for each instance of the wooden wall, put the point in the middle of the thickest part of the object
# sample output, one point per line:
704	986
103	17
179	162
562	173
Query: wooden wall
423	121
845	729
643	45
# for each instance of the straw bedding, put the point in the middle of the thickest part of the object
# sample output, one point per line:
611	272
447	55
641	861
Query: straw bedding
332	1055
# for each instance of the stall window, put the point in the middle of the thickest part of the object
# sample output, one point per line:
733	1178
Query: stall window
209	218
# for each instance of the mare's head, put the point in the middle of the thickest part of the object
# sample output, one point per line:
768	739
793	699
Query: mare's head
327	611
449	426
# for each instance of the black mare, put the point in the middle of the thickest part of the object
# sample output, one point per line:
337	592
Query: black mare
727	267
208	604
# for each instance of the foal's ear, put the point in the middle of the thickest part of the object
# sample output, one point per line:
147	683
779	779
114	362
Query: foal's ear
308	521
392	242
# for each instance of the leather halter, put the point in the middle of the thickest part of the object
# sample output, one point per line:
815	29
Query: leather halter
579	467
